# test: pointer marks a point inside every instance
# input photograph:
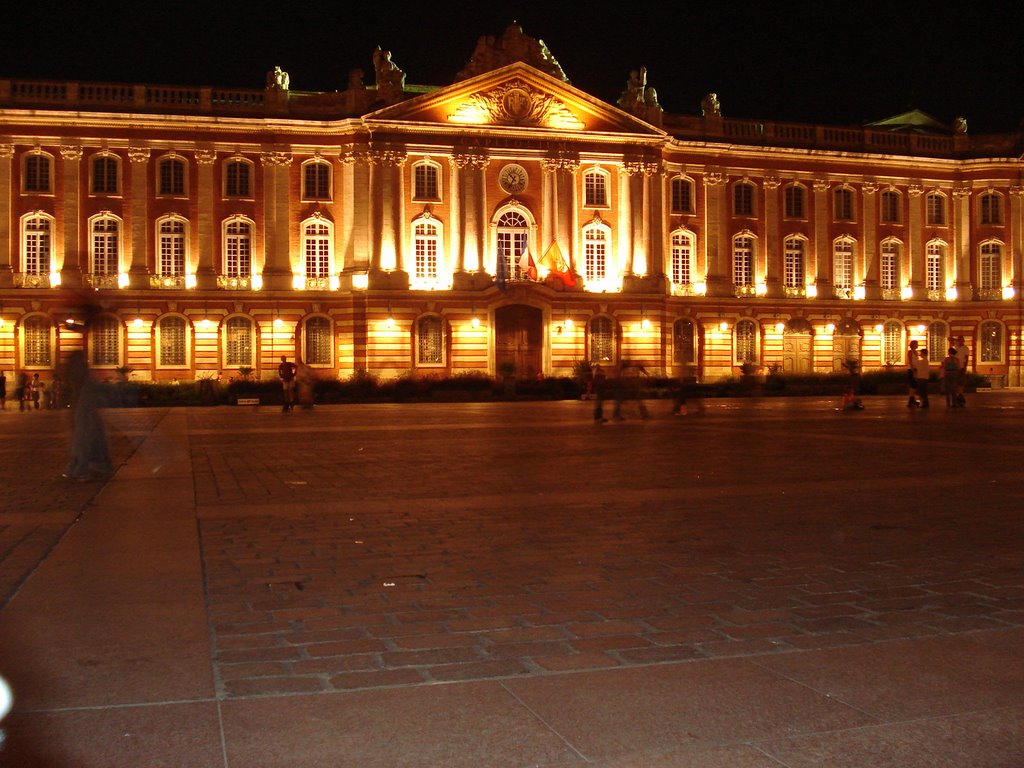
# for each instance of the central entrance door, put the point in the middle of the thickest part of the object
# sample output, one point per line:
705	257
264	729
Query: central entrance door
518	340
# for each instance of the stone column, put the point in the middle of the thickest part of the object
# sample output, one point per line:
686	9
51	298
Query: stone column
868	190
824	267
387	268
138	239
1016	226
8	232
716	240
207	265
353	238
71	259
472	214
771	248
960	254
625	229
277	266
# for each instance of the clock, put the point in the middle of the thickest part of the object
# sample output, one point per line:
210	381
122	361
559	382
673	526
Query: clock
513	178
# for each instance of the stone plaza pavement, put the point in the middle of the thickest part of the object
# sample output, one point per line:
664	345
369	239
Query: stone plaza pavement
768	583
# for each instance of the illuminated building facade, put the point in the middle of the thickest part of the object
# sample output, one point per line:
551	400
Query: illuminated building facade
506	220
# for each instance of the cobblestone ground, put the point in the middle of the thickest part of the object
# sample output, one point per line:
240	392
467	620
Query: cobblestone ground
37	505
362	546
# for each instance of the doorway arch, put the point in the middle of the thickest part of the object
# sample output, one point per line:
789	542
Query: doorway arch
519	340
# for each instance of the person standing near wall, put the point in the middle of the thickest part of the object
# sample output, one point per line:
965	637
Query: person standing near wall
286	372
912	401
963	356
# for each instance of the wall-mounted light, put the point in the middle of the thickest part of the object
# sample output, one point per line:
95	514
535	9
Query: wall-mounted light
920	328
780	327
475	322
879	327
723	326
645	324
278	322
830	327
137	322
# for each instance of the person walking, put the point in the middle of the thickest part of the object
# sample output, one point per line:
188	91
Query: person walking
286	371
963	356
36	390
628	387
921	374
3	391
90	452
599	387
949	372
912	401
20	384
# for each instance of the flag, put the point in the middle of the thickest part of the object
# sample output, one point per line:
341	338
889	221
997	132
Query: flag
501	273
526	265
552	259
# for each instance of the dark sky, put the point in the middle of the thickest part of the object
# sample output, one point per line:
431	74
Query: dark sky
828	62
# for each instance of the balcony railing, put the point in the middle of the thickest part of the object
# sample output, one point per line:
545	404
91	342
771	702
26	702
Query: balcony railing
167	282
26	280
234	283
101	282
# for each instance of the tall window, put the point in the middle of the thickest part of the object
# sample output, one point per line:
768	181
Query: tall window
105	341
37	335
37	244
238	342
842	265
425	182
595	253
935	209
602	339
682	258
743	199
171	247
684	342
794	201
237	178
595	189
890	266
171	176
316	249
745	342
794	263
890	202
319	341
38	170
938	341
743	261
316	180
991	208
892	343
429	340
842	204
682	195
990	342
513	233
425	243
171	338
105	246
238	248
935	273
104	175
990	267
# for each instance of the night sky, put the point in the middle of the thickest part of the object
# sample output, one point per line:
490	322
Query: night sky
838	63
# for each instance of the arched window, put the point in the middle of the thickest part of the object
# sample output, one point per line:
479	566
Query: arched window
990	268
316	180
37	244
105	175
595	255
601	338
513	238
935	269
318	341
426	182
171	179
317	249
938	341
935	209
745	338
237	248
889	267
104	246
682	258
682	195
990	342
172	342
890	201
794	201
842	267
430	340
595	188
892	343
172	246
426	243
37	337
238	178
684	342
794	264
38	173
743	199
842	204
991	208
105	341
239	342
743	262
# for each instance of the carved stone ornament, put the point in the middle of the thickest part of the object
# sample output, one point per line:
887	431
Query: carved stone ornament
6	151
772	182
470	161
276	158
915	190
516	103
206	156
388	157
714	178
138	154
71	153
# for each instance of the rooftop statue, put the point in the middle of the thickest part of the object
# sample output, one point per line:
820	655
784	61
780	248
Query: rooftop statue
493	53
277	79
390	79
641	99
709	106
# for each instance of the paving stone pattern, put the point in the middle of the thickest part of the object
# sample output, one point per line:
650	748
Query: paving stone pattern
367	546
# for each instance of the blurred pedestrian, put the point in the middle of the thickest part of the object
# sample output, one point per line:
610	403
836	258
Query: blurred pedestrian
286	372
628	387
949	372
305	379
35	390
90	452
921	374
963	356
3	391
912	401
599	387
20	385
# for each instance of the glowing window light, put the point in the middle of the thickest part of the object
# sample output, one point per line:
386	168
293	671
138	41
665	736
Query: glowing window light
723	326
298	282
645	324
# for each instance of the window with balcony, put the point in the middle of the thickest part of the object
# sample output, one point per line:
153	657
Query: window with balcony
172	247
37	244
794	263
595	253
237	248
842	267
317	249
935	269
743	262
990	269
426	242
682	258
889	267
105	245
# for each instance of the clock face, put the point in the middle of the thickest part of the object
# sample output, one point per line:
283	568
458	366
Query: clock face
513	178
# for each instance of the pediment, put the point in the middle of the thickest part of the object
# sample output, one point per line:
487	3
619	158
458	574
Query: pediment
514	96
